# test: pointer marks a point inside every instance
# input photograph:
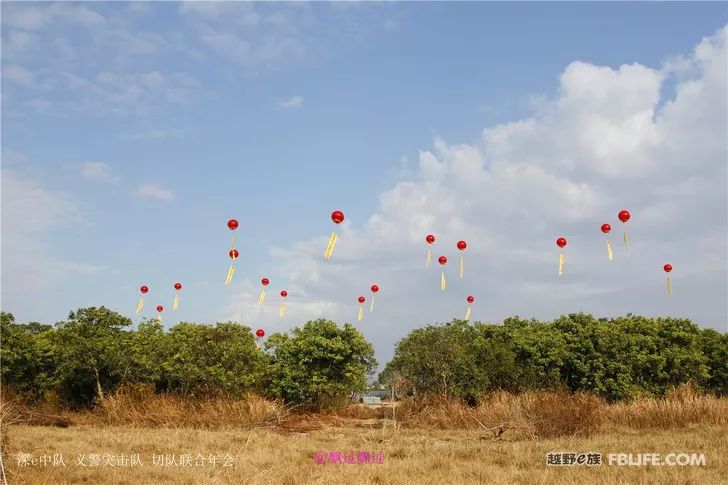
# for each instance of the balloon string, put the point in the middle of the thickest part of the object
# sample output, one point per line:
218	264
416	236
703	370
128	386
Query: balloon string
442	281
262	297
175	304
159	318
282	311
140	305
371	307
429	259
361	313
669	286
609	250
626	245
330	248
462	265
230	272
561	264
467	314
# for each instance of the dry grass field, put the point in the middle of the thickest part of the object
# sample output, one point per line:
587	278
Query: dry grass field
253	441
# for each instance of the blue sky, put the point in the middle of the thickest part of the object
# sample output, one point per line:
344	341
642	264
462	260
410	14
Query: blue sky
133	132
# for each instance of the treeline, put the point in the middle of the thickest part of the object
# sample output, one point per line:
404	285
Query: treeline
96	351
621	358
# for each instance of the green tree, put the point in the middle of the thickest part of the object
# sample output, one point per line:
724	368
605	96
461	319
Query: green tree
145	351
27	357
495	357
715	348
540	352
319	364
202	359
91	357
441	359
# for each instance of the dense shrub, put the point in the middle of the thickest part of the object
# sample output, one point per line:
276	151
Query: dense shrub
616	359
96	350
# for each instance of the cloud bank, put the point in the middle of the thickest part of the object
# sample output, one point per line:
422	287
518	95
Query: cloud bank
609	139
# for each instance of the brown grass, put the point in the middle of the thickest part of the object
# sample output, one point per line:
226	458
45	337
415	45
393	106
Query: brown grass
530	414
682	407
434	440
170	411
411	456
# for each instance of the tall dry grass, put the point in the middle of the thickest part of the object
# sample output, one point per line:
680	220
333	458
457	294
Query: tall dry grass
528	415
680	408
143	408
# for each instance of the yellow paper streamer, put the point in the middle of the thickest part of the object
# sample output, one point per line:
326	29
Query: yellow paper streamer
626	245
561	264
669	286
175	304
361	313
230	272
231	269
330	248
257	347
140	305
371	307
261	299
282	311
159	318
467	314
609	249
442	281
429	259
462	265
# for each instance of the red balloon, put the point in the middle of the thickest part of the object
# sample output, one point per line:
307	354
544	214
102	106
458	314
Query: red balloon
337	217
284	293
232	224
606	228
430	239
667	268
362	299
234	254
561	242
265	281
442	260
143	289
471	299
260	333
623	215
462	245
178	286
160	308
375	288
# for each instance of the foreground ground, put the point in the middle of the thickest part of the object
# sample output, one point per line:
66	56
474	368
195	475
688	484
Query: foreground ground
409	456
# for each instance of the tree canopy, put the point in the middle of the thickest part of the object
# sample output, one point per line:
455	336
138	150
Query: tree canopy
96	350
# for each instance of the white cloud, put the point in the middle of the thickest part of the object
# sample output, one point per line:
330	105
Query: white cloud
31	17
253	35
154	192
99	172
36	36
293	102
30	212
152	134
601	144
19	75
